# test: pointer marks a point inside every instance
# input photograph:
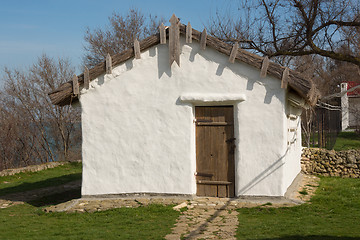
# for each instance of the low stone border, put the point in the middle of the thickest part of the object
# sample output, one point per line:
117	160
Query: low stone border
33	168
102	204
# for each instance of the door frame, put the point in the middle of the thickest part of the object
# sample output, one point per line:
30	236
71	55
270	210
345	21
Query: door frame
220	187
213	99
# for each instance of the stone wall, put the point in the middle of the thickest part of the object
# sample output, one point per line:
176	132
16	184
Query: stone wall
33	168
331	163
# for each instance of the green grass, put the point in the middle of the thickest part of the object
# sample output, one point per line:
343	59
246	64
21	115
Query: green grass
334	213
28	221
347	140
33	180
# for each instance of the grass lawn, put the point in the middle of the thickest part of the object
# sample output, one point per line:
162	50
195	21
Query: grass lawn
28	221
334	213
33	180
347	140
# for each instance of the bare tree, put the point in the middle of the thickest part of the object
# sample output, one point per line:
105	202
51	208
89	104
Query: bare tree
293	27
33	129
307	118
118	36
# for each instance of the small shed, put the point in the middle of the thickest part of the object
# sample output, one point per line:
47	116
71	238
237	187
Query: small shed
185	113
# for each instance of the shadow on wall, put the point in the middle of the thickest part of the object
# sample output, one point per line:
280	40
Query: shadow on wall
101	80
264	174
270	93
260	177
163	61
179	102
129	64
242	71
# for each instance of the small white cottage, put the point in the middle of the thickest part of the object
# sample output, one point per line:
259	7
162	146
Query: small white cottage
220	121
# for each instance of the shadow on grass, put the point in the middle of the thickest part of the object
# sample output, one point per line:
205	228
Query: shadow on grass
310	237
56	198
45	192
50	182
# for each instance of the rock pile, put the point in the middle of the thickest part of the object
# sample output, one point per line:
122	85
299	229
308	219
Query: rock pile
331	163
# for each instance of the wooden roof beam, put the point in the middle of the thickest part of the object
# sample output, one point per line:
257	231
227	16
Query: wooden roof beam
137	49
75	85
174	40
108	64
285	78
203	40
264	67
162	34
188	37
86	78
233	53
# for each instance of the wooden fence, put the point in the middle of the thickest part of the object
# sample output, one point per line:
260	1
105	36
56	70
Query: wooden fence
325	126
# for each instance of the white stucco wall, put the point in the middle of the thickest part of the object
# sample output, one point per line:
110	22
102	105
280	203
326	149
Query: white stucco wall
344	107
353	111
293	151
139	134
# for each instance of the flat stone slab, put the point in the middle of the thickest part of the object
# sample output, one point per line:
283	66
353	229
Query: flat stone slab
306	184
102	204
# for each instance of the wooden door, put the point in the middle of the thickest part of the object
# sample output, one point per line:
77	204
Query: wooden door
215	147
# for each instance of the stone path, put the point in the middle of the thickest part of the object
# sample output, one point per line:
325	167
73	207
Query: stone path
206	219
214	218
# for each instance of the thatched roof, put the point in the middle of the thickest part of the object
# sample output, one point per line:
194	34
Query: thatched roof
63	95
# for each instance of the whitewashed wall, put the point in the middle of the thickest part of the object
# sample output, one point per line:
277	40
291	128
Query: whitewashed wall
293	151
353	111
139	135
344	107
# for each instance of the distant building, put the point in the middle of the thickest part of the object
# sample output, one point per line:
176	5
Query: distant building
350	105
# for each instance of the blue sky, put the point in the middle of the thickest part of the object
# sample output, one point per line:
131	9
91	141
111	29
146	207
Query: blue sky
56	27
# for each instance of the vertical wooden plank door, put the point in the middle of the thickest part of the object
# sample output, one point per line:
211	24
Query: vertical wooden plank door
215	147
